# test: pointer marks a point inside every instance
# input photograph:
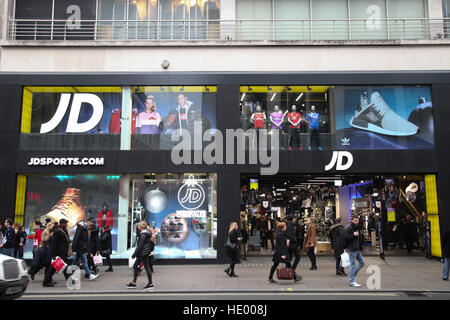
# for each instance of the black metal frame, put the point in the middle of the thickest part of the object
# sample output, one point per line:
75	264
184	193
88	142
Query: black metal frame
14	161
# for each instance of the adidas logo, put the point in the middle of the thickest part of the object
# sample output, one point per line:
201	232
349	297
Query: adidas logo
345	141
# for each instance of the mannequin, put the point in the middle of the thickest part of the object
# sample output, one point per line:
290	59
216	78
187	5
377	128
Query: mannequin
259	120
294	118
277	119
313	119
105	217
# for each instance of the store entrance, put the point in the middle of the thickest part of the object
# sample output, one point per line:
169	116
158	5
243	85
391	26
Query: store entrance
392	210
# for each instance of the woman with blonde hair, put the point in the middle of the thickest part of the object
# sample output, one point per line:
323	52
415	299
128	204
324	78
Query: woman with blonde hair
232	247
144	247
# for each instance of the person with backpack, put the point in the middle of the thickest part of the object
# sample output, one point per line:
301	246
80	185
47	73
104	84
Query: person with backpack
354	245
337	242
142	252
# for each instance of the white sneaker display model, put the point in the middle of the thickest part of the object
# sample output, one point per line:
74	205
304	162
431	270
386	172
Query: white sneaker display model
93	276
376	116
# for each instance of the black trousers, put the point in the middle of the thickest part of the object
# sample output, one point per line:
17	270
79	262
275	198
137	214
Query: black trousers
233	254
108	260
338	264
294	137
315	138
294	252
145	262
50	272
268	236
312	256
275	266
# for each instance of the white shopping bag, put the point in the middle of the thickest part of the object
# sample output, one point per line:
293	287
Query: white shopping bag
345	260
131	262
98	260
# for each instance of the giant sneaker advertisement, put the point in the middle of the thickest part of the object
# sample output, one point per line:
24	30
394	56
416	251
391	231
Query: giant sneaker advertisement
384	117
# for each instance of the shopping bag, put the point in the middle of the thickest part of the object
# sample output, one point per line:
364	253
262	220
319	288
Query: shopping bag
345	260
285	273
58	264
98	261
131	261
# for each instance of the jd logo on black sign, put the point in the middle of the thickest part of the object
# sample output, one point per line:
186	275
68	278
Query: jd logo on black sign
72	124
338	160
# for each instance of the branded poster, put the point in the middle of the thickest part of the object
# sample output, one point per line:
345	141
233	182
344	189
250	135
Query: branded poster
161	111
384	117
180	211
72	197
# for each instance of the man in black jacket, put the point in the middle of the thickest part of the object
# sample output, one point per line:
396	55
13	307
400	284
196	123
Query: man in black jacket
336	233
292	241
354	245
80	247
59	248
446	253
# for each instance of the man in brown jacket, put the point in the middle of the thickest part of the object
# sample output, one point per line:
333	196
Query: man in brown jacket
311	242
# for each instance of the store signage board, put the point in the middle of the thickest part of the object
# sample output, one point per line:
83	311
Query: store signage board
337	161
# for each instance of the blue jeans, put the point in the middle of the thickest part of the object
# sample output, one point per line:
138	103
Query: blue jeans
83	257
355	255
8	252
446	267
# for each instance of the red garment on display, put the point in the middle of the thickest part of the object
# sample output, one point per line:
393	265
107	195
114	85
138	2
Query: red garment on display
109	219
258	119
114	123
294	117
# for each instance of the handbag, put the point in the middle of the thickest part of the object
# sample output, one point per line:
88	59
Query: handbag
105	252
345	260
98	260
59	264
229	245
285	273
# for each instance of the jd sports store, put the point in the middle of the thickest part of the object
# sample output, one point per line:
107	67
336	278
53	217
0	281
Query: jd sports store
102	146
392	210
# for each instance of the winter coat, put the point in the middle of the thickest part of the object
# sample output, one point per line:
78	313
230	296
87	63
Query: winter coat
281	247
232	252
109	221
446	244
290	235
10	236
336	234
144	244
93	242
311	237
354	243
59	243
80	240
21	237
106	242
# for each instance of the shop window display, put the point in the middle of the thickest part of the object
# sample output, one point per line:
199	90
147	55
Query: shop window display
71	118
161	111
181	210
340	117
72	197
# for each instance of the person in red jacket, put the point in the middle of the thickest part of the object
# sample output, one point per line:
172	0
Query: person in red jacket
36	236
105	217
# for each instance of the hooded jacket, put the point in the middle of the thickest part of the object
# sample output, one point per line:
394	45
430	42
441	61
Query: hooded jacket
354	243
80	240
336	233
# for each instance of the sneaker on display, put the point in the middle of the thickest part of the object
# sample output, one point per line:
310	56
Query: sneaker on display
377	116
355	284
69	208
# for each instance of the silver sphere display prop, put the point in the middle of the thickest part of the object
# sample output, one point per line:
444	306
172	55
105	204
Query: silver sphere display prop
155	201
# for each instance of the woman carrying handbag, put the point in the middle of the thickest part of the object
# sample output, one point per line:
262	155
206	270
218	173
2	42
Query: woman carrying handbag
232	247
281	255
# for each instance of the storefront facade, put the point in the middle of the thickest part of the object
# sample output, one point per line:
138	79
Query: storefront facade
81	142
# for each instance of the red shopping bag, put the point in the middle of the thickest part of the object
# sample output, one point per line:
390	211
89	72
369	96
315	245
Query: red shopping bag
59	264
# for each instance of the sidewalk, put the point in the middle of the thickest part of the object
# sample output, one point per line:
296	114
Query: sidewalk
397	274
